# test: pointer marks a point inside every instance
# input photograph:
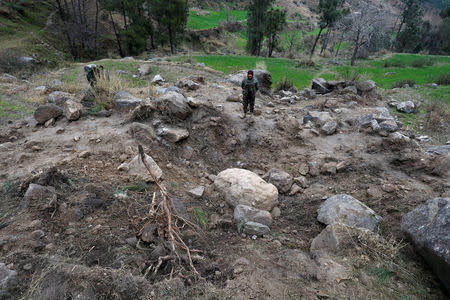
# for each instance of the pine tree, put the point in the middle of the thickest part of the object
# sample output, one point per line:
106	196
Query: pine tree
274	24
408	33
256	14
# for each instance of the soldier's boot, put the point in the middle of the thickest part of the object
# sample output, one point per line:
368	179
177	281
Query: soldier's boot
243	115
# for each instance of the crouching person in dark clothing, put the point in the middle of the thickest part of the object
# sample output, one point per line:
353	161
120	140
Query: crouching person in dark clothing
249	89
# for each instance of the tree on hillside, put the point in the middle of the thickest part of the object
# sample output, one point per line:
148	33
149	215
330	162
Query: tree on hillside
256	14
330	11
171	16
408	32
362	26
444	31
274	24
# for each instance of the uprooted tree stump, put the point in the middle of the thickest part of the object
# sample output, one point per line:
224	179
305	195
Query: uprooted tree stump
159	221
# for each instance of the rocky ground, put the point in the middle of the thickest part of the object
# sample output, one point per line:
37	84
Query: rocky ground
304	199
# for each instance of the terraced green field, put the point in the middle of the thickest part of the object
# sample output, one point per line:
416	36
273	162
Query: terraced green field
212	18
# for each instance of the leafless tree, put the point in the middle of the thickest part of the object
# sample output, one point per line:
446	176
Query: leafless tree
361	26
292	41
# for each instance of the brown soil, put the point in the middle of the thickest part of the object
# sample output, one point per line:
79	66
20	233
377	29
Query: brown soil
85	254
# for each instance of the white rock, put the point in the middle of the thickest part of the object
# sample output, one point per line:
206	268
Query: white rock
136	168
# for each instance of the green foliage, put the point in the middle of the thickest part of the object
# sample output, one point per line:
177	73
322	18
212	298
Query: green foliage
142	187
409	39
349	74
383	274
96	109
422	62
274	23
256	15
211	20
443	79
10	109
403	82
202	218
330	11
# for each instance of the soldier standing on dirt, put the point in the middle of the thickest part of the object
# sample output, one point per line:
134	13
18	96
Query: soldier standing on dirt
249	89
92	74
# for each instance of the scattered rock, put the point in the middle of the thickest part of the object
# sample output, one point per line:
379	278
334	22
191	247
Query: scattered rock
389	125
351	89
46	112
145	69
8	78
302	180
136	168
254	228
55	83
239	186
59	98
41	89
50	122
428	226
197	192
375	126
295	189
329	168
276	212
72	110
173	104
347	210
282	180
245	213
320	86
189	85
125	101
329	127
158	79
406	107
317	117
172	134
438	150
8	281
365	86
233	98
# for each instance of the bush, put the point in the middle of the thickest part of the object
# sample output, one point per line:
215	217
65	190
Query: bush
437	117
363	53
105	89
401	83
390	64
443	79
422	62
12	63
305	61
350	74
284	85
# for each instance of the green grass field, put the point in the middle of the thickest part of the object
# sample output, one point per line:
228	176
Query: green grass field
212	19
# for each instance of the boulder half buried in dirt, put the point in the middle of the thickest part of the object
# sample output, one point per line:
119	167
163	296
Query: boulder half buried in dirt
125	101
245	213
172	134
40	196
347	210
320	86
72	110
240	186
46	112
282	180
8	281
173	105
58	97
136	168
264	81
428	226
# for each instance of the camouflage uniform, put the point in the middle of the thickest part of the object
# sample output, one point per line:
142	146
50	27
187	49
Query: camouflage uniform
249	89
92	73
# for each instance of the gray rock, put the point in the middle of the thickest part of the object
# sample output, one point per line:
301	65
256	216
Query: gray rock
46	112
41	89
8	281
125	101
309	93
233	98
173	104
161	91
72	110
382	114
351	89
389	125
37	194
347	210
145	69
264	81
365	86
375	126
55	83
8	78
317	117
245	213
366	120
158	79
406	107
282	180
137	169
329	127
197	192
438	150
172	134
335	62
320	86
189	85
58	97
428	226
27	60
236	78
254	228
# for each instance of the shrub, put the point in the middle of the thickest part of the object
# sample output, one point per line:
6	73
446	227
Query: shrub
443	79
401	83
390	64
105	89
422	62
437	116
350	74
284	85
305	61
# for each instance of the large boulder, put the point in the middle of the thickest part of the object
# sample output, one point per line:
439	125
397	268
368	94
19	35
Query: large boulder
240	186
137	169
236	78
406	107
72	110
320	86
8	281
58	97
337	236
428	226
125	101
172	134
348	210
245	213
282	180
264	81
46	112
173	104
389	125
365	86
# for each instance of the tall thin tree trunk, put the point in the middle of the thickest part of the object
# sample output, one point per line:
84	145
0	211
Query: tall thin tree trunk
315	42
62	15
355	50
96	28
325	42
124	15
172	48
119	44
